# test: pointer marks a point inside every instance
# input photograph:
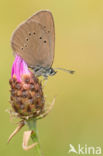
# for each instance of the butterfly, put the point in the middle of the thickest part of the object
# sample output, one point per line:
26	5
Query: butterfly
34	41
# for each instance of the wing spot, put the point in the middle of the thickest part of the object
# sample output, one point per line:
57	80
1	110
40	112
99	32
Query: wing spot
44	41
34	33
25	45
40	38
27	39
22	48
29	34
44	26
48	31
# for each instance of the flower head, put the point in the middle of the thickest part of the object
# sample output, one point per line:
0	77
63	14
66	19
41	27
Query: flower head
26	91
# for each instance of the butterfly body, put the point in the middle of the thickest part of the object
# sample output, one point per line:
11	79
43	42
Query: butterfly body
44	71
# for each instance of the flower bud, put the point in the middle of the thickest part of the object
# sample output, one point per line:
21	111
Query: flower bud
26	98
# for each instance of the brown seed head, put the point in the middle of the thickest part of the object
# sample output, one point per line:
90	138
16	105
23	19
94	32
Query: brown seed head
27	96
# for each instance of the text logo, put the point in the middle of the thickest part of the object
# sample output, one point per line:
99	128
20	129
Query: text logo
85	149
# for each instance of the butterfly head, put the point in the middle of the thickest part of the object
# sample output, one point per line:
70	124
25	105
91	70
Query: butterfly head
44	71
51	72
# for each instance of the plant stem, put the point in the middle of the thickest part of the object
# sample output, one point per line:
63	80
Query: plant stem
32	126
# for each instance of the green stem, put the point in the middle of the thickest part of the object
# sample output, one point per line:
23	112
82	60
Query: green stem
32	126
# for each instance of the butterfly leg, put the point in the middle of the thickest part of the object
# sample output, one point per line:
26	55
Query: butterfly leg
45	82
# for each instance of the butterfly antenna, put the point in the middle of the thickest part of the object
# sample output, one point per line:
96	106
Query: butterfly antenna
65	70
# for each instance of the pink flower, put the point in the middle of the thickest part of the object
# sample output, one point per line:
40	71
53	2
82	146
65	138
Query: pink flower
19	68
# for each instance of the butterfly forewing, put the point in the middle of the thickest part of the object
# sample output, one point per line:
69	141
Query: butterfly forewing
45	18
34	40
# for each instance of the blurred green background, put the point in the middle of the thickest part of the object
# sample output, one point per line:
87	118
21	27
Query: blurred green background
77	117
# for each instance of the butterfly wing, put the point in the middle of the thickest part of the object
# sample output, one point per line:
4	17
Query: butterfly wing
33	40
45	18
